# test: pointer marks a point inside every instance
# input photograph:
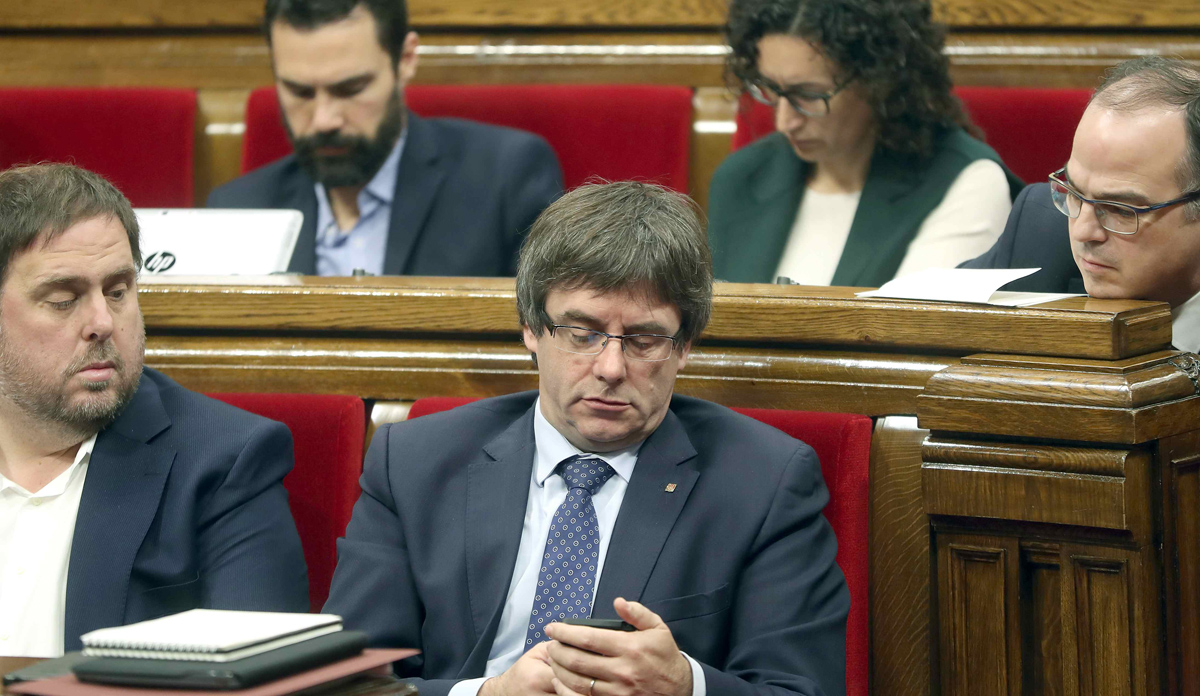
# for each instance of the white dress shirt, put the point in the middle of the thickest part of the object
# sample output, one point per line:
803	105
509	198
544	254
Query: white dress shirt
965	224
36	530
547	491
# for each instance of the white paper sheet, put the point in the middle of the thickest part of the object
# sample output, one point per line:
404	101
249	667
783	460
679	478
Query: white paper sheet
964	285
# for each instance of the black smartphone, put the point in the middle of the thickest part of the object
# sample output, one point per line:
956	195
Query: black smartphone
610	624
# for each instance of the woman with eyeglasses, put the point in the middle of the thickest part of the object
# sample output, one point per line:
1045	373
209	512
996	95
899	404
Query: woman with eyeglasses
871	173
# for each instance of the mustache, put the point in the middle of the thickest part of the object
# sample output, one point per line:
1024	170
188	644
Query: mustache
98	352
312	143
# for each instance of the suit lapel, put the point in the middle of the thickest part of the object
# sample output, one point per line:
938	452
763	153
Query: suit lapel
125	480
777	188
874	248
421	173
298	193
497	494
647	515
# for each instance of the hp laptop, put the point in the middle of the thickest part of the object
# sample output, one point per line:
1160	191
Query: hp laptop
187	241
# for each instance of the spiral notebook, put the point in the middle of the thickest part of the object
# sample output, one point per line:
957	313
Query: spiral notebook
208	635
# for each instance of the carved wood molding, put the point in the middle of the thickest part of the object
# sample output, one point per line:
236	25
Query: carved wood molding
1128	402
1078	486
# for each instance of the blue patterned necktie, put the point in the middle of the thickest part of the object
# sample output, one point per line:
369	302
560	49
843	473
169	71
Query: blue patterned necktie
568	574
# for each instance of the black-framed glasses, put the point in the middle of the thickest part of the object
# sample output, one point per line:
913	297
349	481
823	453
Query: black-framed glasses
1118	218
815	104
645	347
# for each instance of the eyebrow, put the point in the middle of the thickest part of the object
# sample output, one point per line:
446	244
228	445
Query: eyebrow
1128	197
651	327
128	274
340	84
807	87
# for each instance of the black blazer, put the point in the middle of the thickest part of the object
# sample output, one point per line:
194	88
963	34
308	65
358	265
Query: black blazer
466	194
183	507
736	556
1034	237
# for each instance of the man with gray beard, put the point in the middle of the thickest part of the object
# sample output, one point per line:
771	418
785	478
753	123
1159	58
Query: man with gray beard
123	496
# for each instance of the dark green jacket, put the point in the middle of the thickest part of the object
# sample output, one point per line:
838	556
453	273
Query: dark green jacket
756	193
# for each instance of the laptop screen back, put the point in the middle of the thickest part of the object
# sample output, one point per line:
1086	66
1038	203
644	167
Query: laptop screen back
186	241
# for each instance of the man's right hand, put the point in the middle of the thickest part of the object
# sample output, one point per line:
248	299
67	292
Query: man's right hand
530	674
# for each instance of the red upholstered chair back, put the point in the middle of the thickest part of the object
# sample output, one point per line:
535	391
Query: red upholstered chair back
1031	129
139	139
328	432
617	132
842	441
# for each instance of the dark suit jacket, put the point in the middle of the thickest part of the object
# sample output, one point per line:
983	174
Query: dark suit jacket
1034	237
738	560
183	507
466	194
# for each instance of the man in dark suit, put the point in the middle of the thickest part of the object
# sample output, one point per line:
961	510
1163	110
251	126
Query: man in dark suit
1122	219
123	496
380	188
480	529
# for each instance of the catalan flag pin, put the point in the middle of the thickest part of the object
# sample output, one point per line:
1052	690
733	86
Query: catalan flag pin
670	488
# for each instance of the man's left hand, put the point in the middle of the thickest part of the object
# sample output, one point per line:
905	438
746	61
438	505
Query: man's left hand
600	662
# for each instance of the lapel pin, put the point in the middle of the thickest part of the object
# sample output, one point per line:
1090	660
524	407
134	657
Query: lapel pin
670	488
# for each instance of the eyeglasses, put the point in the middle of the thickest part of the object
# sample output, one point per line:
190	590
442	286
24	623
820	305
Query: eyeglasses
645	347
815	104
1118	218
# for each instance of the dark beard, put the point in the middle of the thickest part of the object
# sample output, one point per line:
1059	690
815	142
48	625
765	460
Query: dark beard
364	156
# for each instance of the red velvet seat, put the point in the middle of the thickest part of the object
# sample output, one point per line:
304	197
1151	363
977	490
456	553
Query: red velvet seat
1031	129
842	441
140	139
616	132
328	432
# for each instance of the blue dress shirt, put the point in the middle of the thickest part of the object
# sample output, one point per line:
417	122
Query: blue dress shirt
339	251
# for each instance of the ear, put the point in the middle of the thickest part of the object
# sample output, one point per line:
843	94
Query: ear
408	58
684	352
531	341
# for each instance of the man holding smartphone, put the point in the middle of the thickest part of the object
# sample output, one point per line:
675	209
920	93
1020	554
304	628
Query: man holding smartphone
602	495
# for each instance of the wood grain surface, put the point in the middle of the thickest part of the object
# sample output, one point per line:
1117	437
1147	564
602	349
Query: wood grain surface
760	314
1181	563
903	656
1077	14
1167	14
1084	500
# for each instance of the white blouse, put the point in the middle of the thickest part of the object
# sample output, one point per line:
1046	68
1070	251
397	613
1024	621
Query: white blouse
965	224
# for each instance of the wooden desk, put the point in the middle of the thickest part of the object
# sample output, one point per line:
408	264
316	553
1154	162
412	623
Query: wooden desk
1039	540
363	686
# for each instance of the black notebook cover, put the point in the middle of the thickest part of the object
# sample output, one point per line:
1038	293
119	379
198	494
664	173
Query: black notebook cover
238	674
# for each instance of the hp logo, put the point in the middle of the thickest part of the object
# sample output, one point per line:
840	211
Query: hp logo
159	262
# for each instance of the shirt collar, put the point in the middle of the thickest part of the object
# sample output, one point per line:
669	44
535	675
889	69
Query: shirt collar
60	482
381	187
552	448
1185	325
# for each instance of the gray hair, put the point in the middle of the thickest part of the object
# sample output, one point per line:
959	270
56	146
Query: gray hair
625	235
1158	81
41	201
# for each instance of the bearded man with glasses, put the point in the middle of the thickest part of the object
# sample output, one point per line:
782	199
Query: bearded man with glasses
1122	219
602	494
